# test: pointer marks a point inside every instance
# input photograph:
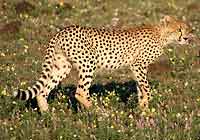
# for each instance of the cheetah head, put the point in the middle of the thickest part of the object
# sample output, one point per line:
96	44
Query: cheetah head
175	31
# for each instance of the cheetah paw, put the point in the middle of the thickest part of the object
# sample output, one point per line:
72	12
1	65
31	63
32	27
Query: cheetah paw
87	103
42	103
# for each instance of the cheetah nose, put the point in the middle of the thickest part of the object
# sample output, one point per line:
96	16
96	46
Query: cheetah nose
185	38
188	38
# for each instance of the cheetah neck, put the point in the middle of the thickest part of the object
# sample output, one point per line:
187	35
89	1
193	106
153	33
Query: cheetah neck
164	36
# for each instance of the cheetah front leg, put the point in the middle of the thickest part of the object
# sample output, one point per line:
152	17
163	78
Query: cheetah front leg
143	86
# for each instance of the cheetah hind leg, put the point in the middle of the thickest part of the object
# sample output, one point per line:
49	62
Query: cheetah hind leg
82	92
42	103
143	99
61	68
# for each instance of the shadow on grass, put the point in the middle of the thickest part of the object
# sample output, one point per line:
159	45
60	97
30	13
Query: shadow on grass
122	90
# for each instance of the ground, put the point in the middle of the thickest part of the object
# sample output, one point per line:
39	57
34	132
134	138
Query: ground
26	27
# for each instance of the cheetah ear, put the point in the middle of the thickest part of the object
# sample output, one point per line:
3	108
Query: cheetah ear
166	20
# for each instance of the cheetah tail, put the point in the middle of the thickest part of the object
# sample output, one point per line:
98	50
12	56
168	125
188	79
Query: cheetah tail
30	93
38	87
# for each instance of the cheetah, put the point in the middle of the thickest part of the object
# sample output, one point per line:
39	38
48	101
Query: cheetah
90	49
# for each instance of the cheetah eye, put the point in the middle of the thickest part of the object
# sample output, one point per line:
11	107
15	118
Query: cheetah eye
179	30
191	31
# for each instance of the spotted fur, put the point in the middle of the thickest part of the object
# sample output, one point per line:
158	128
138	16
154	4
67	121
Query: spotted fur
89	49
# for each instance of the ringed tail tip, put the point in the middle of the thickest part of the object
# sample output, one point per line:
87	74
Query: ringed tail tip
15	93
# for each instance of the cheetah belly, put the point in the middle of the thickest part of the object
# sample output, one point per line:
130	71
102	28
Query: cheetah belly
111	62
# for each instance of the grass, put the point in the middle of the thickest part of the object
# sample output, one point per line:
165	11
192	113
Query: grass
174	110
